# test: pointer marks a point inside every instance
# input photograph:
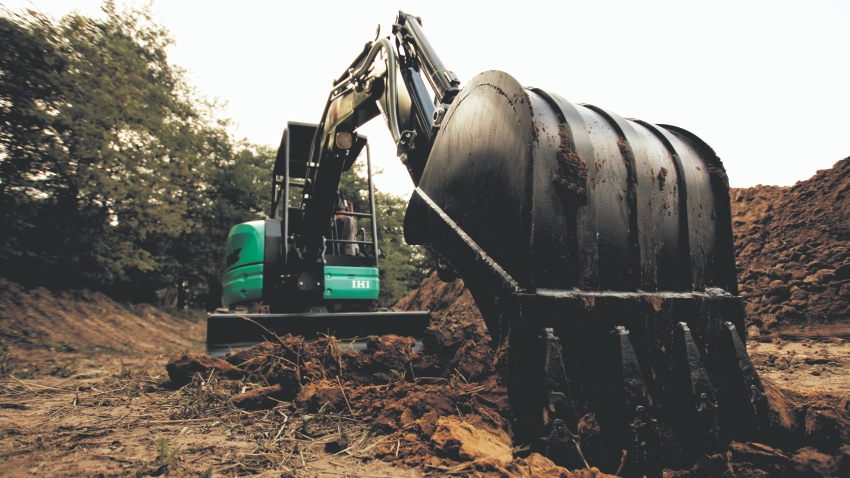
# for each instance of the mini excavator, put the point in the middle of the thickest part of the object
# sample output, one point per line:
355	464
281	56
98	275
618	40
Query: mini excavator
599	250
274	283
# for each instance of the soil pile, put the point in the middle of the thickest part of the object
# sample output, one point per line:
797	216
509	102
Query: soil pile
443	415
455	318
90	322
793	252
413	414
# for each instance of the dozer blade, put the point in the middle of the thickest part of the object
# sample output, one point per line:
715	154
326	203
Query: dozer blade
232	331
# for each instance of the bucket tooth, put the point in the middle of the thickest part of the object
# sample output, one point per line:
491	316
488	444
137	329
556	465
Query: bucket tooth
693	392
642	429
561	403
561	445
744	378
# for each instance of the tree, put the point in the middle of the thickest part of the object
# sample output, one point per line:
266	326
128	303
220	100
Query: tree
116	176
238	180
403	267
31	91
97	146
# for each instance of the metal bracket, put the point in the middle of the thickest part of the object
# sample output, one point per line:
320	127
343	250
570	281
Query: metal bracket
439	115
642	427
556	384
747	376
405	142
694	386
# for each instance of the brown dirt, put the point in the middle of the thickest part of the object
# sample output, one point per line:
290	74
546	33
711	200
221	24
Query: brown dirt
90	322
454	316
793	248
571	176
118	419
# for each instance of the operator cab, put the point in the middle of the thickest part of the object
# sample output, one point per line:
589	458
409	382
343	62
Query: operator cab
317	250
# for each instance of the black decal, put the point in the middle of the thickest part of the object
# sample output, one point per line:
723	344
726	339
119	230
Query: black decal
232	258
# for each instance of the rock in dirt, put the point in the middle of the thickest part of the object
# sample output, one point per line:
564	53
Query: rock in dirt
261	398
337	444
183	366
316	395
462	441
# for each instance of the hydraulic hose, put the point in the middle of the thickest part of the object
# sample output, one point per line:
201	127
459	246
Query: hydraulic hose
392	87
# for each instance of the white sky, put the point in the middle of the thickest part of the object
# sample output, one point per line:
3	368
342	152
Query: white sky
765	83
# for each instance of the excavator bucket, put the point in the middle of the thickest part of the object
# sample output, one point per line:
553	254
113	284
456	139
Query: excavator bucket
600	252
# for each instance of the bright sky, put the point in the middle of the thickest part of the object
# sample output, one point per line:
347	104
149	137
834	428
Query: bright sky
765	83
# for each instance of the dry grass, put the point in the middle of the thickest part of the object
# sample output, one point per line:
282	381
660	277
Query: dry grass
115	420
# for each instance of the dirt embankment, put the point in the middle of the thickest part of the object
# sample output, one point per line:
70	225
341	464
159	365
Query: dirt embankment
793	252
86	321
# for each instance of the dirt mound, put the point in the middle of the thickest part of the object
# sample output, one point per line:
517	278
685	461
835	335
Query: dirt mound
386	384
455	318
793	252
456	341
453	424
89	321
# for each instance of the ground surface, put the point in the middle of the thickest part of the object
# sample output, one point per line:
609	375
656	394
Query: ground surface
110	417
89	387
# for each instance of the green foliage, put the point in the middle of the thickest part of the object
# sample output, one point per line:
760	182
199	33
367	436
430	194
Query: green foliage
115	175
237	183
97	152
403	267
112	172
165	452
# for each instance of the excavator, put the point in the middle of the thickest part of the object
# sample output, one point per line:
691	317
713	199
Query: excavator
271	285
599	250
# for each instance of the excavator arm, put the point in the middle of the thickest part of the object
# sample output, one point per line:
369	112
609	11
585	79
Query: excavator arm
384	79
